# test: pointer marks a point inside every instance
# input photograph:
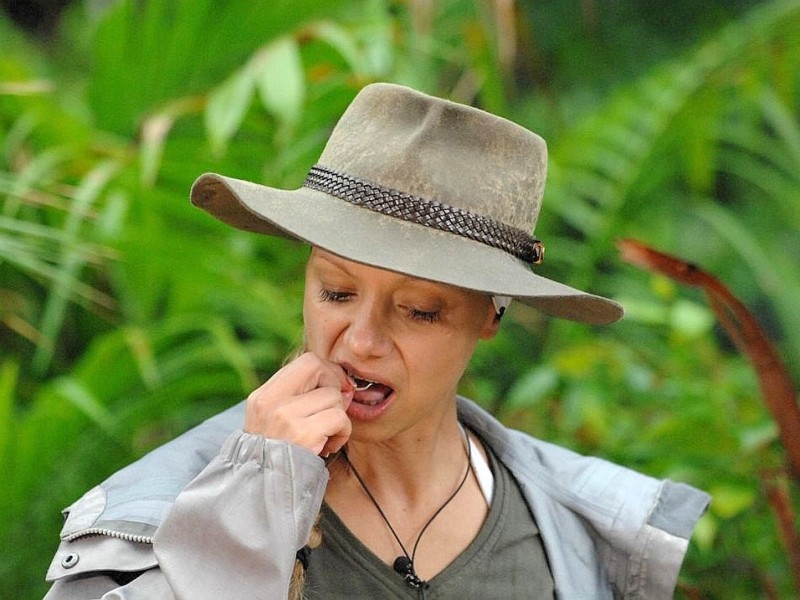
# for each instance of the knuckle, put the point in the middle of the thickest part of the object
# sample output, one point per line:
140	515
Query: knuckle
308	359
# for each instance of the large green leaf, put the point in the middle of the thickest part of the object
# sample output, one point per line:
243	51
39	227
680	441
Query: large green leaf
71	261
598	168
146	53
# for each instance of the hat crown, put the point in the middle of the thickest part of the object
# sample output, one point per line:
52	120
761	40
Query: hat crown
443	151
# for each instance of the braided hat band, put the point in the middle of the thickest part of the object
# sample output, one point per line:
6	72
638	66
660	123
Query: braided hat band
429	213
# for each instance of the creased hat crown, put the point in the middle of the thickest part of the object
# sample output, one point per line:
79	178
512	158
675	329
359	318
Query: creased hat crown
443	151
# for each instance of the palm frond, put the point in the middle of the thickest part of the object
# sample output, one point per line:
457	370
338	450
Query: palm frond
597	167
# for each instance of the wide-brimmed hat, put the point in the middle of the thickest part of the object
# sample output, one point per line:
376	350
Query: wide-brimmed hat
421	186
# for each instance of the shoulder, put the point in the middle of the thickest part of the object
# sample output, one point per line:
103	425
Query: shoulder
111	527
626	526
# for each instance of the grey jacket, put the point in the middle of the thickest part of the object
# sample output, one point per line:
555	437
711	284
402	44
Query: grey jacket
218	513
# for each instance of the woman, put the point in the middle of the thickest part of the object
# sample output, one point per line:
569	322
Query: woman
417	216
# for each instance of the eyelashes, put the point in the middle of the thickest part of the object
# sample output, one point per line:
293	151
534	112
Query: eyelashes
423	316
331	296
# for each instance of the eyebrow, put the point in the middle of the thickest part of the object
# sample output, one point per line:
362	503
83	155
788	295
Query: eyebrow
333	260
340	263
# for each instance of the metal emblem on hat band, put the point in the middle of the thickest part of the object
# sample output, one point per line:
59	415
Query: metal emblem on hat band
429	213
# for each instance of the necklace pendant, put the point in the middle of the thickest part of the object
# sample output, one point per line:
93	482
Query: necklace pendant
404	566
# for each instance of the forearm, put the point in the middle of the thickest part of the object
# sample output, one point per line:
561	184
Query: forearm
234	531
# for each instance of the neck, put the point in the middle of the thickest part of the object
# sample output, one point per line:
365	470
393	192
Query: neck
412	464
415	494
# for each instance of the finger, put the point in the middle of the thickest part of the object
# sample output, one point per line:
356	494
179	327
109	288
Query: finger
278	415
292	420
305	373
345	384
335	443
335	376
299	377
313	402
325	431
318	372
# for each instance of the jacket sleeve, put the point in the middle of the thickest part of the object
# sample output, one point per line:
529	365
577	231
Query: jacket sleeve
232	533
150	585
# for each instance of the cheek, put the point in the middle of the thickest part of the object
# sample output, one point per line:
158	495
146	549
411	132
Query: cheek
444	359
322	327
314	327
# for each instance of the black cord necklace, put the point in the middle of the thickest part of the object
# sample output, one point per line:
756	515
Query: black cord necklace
404	564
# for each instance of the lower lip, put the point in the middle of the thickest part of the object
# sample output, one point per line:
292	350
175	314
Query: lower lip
369	412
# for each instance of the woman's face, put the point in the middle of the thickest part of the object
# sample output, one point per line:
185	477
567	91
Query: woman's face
404	341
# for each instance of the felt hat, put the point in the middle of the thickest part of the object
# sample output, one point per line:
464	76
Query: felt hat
421	186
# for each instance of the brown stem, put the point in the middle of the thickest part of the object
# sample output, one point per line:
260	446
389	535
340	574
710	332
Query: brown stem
775	383
779	497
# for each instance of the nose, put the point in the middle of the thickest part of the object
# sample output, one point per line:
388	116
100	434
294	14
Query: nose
368	332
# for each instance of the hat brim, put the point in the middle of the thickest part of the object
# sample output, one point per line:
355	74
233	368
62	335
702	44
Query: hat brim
391	243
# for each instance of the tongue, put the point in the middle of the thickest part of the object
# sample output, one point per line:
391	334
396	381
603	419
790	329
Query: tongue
372	395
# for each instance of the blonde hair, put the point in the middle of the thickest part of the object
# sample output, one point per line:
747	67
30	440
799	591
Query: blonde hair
298	581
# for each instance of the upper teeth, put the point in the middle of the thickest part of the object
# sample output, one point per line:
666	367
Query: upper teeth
362	384
365	386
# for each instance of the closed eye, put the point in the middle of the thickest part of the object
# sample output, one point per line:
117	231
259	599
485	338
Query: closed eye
424	316
333	295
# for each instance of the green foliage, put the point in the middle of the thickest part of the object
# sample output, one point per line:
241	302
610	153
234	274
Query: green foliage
126	316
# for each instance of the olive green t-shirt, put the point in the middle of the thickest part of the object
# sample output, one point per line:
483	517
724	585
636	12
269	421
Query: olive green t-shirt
505	560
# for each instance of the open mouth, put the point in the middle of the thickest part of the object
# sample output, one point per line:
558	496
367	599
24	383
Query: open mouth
368	391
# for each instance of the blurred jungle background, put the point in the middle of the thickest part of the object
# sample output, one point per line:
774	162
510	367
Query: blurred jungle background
126	316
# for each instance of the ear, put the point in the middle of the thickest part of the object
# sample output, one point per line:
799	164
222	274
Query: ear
491	323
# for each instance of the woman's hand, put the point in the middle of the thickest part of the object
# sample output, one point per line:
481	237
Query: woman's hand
304	403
